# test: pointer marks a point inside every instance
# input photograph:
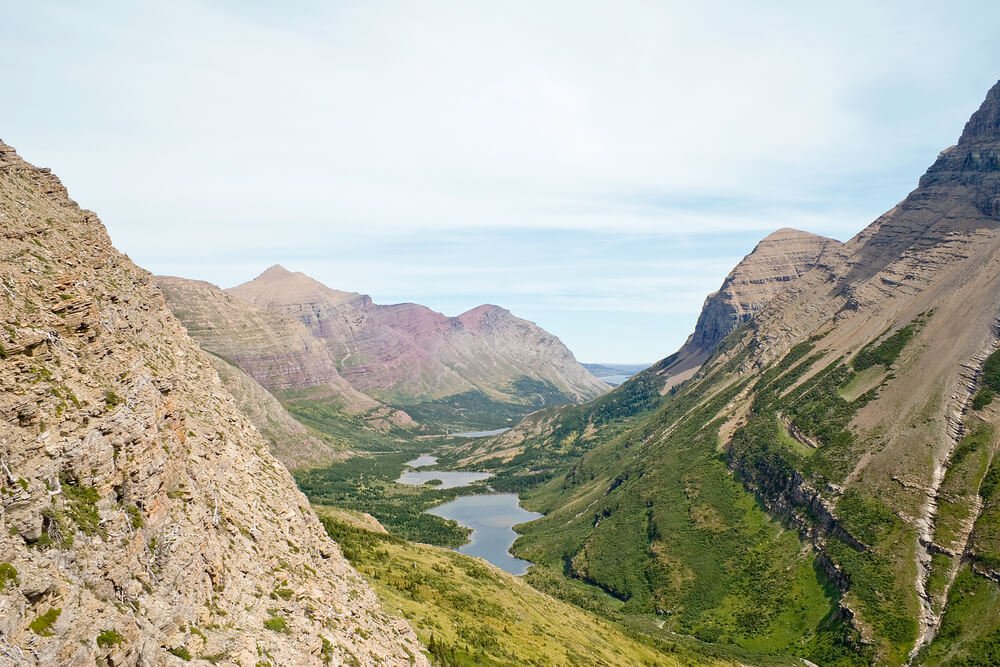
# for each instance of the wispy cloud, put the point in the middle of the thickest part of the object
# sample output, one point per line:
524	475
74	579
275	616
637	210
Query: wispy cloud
216	137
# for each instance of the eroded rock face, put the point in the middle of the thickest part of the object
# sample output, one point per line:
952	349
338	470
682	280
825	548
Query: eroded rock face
406	353
142	513
777	261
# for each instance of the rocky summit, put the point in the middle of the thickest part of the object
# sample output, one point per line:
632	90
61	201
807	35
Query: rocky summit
143	519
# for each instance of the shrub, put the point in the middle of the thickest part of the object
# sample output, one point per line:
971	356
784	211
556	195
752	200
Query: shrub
983	398
42	625
109	638
276	623
181	652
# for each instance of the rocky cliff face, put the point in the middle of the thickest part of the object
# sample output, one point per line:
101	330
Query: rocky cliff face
771	268
143	518
407	353
773	265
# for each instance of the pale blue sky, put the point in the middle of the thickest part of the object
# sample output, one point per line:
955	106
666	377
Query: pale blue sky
596	167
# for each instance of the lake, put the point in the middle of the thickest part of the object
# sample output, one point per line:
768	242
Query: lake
491	518
449	478
422	461
480	434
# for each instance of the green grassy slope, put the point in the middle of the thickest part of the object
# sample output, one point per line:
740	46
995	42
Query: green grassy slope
469	613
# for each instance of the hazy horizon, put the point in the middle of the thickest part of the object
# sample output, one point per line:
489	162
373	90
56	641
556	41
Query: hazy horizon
594	167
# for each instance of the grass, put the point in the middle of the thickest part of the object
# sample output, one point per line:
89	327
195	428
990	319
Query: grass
468	612
108	638
42	625
8	575
969	635
683	541
862	382
276	623
957	494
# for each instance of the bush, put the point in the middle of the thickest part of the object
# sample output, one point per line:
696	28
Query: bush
109	638
42	626
983	398
276	623
181	652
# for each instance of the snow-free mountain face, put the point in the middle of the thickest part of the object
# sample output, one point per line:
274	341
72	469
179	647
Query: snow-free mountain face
855	407
252	346
433	366
143	519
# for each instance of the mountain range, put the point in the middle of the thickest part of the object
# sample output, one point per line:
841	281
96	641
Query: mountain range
349	367
843	391
811	477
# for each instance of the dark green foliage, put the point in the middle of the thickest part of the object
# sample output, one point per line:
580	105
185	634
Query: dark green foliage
886	352
135	516
366	484
991	372
474	410
111	399
181	652
983	398
81	505
637	395
865	518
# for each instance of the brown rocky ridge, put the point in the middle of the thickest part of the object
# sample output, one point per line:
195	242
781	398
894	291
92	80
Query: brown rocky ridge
143	520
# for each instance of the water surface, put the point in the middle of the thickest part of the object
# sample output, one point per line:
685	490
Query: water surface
449	478
491	518
422	461
481	434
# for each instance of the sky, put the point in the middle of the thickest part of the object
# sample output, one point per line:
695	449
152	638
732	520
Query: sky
597	167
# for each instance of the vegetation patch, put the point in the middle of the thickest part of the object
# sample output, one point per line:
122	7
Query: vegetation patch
969	635
81	505
108	638
42	625
467	613
181	652
276	623
8	575
886	351
367	484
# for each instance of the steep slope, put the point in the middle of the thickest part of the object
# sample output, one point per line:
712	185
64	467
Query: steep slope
482	368
770	269
143	518
852	407
470	612
280	354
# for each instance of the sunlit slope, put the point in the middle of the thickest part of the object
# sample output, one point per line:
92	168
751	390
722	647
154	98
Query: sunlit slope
846	409
471	613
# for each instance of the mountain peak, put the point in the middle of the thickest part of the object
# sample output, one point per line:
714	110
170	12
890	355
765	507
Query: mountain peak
984	125
279	285
275	271
790	233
